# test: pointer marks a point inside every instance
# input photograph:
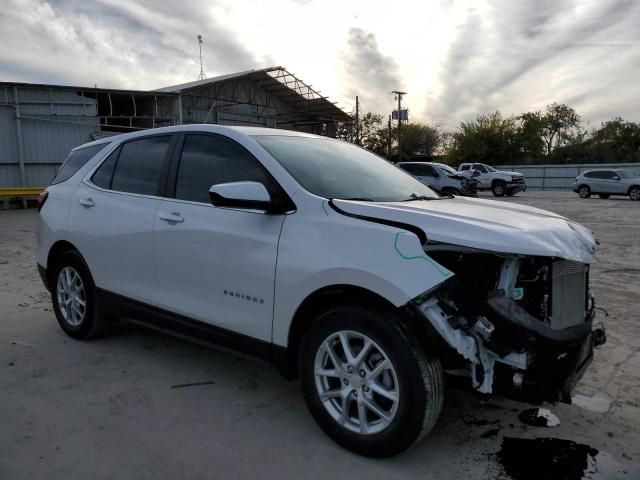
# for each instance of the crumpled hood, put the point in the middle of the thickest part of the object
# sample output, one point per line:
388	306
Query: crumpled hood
487	225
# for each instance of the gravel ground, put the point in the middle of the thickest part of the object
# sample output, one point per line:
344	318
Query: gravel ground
119	407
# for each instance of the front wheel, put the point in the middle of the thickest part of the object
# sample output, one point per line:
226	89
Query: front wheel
634	193
498	189
367	382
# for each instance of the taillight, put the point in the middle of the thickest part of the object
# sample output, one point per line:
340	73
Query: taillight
42	198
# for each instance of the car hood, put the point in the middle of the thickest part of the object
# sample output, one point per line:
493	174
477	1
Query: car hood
486	225
513	174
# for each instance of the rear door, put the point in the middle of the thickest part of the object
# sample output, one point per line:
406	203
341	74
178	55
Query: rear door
112	214
216	265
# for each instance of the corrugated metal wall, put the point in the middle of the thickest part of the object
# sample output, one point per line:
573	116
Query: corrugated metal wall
51	123
558	177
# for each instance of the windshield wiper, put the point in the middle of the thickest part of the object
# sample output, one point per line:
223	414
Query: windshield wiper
357	199
414	196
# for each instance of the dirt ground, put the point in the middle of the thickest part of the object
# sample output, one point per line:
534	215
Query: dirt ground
121	407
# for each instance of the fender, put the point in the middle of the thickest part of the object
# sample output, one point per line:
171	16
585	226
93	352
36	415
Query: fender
324	247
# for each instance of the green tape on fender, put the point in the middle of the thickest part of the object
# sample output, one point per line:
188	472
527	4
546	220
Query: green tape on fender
325	208
444	273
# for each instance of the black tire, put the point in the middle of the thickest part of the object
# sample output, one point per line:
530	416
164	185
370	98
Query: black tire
93	323
498	188
604	195
584	191
634	193
419	380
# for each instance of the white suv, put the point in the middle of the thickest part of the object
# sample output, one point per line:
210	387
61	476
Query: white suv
327	261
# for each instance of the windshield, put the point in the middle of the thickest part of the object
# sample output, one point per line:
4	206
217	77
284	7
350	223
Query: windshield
491	169
628	174
334	169
446	169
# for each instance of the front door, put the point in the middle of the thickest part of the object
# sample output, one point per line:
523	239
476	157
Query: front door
214	264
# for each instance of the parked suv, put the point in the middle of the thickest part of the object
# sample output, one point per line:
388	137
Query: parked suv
500	182
442	178
608	182
326	260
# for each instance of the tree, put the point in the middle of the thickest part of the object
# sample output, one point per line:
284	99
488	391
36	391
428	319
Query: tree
489	138
559	124
419	139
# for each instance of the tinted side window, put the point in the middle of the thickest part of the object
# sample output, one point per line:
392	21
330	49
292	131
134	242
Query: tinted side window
410	168
427	171
479	166
609	175
465	167
208	160
104	173
75	161
139	165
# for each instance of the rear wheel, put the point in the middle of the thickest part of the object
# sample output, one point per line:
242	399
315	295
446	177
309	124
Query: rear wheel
584	191
604	195
74	298
499	189
634	193
368	383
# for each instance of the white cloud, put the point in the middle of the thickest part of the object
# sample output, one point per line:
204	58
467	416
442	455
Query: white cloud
454	58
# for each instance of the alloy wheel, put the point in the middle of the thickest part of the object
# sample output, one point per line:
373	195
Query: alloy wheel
72	299
356	382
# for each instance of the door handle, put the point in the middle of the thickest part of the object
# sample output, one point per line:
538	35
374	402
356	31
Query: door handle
87	202
173	217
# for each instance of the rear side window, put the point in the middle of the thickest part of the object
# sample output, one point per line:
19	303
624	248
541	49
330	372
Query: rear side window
595	174
465	167
139	165
104	174
75	161
208	160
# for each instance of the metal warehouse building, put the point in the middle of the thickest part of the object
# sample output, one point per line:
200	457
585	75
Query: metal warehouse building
39	124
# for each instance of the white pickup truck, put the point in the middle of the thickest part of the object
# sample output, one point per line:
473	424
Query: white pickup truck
501	183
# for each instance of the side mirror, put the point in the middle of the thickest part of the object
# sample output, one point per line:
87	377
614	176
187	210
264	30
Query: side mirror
476	173
616	177
250	195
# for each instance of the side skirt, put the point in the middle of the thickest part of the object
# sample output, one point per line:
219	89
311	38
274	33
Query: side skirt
140	313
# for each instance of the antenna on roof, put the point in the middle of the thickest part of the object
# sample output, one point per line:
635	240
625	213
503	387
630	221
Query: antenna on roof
201	76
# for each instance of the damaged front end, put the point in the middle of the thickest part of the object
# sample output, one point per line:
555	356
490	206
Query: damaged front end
519	325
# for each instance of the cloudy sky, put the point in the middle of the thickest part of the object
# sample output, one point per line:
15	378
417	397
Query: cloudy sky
454	58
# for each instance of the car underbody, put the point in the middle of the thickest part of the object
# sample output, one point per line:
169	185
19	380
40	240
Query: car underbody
518	325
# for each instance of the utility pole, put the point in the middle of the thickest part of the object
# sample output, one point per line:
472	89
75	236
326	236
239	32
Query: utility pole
357	142
201	76
389	140
399	98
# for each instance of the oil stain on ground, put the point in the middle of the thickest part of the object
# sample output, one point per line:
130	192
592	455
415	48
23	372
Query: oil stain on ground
546	459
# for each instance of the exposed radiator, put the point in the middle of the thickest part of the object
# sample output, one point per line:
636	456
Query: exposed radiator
568	293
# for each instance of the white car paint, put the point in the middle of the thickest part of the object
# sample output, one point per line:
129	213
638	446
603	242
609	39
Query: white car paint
134	245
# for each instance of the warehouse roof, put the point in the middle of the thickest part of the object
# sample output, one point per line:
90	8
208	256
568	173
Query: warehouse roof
279	82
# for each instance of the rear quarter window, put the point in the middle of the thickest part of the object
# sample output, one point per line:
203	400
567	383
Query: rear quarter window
75	161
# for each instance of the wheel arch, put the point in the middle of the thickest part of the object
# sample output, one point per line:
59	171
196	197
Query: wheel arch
57	249
632	187
313	305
